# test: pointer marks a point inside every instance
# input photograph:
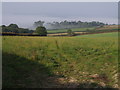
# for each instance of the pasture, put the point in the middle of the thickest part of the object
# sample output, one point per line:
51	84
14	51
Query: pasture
81	61
106	27
65	30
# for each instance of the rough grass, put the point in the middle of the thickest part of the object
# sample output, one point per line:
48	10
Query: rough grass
84	61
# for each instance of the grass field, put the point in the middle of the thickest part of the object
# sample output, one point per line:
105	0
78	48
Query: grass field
113	34
81	61
65	30
106	27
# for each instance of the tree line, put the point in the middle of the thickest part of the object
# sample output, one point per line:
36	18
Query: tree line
40	29
15	29
68	24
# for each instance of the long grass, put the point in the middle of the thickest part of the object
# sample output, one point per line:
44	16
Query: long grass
63	61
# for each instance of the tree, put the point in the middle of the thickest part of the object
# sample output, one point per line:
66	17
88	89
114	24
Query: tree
38	23
41	31
73	24
13	26
3	26
70	32
15	29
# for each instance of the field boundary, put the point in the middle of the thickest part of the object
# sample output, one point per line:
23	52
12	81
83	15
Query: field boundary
56	34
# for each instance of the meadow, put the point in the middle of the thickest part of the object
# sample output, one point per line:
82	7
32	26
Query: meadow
106	27
65	30
86	61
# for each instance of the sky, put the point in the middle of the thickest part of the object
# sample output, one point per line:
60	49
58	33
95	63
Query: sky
26	13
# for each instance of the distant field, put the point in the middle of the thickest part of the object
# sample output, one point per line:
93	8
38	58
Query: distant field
84	29
109	27
113	34
65	30
81	61
79	31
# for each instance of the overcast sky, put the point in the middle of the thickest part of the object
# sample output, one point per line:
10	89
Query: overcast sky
26	13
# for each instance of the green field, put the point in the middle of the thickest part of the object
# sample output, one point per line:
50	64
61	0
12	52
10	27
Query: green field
81	61
114	34
65	30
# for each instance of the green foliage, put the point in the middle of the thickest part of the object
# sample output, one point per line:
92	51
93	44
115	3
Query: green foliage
22	30
9	29
14	28
41	31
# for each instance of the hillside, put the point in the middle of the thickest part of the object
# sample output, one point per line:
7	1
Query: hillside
80	31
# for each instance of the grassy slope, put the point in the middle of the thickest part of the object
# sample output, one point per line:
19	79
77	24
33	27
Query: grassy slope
65	30
114	34
108	27
60	61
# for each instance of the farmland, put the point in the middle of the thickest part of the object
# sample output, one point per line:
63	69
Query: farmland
81	61
106	27
65	30
79	31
